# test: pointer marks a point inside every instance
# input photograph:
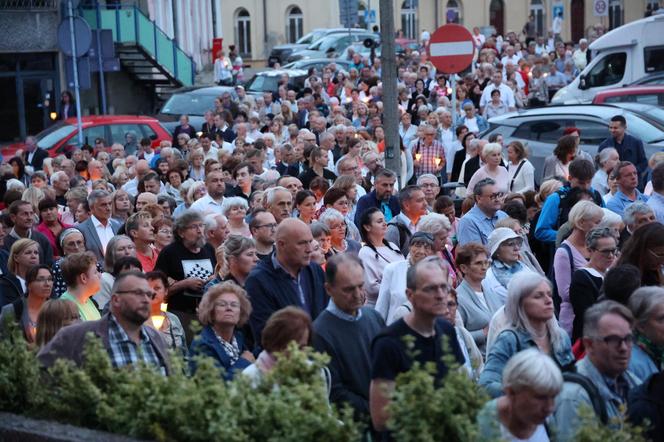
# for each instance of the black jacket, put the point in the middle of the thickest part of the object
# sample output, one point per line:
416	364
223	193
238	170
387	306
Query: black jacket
647	402
271	289
10	289
38	158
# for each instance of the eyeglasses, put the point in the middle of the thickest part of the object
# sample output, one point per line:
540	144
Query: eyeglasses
496	196
514	242
615	341
429	185
609	252
137	292
224	304
271	226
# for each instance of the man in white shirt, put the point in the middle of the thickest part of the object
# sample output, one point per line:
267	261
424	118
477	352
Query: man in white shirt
478	38
99	228
209	151
580	56
506	94
510	57
211	203
446	131
141	169
557	25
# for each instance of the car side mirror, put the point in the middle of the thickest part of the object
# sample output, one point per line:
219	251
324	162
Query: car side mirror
583	82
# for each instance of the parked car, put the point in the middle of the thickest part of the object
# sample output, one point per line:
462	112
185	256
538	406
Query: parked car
280	53
650	113
620	57
268	81
650	95
648	80
542	127
61	138
332	45
192	101
318	63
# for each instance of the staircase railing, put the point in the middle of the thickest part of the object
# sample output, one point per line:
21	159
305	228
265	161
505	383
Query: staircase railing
130	25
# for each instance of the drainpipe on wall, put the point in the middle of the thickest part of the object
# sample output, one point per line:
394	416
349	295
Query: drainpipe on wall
265	29
435	2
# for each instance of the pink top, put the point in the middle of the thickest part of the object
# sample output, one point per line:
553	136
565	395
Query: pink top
500	176
564	279
44	230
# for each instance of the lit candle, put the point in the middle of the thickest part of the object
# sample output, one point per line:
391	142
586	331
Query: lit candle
157	321
418	156
437	161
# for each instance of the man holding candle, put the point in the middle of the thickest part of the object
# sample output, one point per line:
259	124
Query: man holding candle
428	154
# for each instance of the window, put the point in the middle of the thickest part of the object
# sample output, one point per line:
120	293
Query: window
537	10
609	70
119	132
243	32
654	59
361	17
409	19
453	12
653	99
592	132
615	13
547	131
294	24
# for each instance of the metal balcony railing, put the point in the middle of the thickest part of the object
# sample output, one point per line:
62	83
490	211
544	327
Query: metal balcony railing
28	5
131	26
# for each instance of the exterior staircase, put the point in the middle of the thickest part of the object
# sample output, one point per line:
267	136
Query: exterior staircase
144	50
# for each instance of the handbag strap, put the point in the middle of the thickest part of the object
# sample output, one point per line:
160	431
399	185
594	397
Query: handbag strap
518	169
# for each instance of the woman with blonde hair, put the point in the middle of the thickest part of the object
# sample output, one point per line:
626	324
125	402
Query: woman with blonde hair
23	255
33	195
54	314
122	206
197	169
224	309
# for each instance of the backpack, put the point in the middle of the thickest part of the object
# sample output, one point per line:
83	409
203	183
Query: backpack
404	236
557	300
567	195
599	407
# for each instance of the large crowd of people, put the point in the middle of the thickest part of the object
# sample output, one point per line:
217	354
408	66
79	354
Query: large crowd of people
277	222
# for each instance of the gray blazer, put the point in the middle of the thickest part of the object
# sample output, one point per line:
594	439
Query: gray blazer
69	343
475	315
92	242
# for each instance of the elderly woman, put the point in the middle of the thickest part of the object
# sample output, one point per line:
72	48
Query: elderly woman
462	155
504	246
476	305
521	172
197	169
586	285
491	155
235	209
607	160
336	222
647	306
376	253
392	292
645	250
23	255
573	254
474	360
531	381
25	311
438	226
556	165
530	319
166	322
119	246
223	310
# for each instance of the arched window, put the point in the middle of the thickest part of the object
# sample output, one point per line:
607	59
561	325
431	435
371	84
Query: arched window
361	17
294	24
615	13
243	32
453	12
497	16
538	11
409	19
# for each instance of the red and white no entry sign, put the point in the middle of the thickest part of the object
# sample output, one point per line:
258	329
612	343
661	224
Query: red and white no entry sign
451	48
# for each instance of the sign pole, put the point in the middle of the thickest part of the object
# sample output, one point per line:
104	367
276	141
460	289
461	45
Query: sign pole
74	60
390	99
454	103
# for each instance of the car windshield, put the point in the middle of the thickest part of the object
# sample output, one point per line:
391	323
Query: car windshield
310	37
188	103
262	83
323	43
643	129
47	138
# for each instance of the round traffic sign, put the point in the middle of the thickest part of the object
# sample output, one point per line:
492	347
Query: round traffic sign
451	48
82	36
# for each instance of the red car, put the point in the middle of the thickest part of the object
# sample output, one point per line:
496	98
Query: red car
653	95
62	136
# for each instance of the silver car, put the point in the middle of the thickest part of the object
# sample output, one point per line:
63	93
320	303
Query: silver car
541	128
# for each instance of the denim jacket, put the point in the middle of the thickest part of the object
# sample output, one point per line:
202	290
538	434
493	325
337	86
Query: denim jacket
508	343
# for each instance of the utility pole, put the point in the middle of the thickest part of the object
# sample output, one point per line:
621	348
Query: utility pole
389	79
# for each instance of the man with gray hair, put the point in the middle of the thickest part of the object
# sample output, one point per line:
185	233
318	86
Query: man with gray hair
34	155
656	200
581	56
636	215
60	184
279	202
216	229
100	227
431	188
605	381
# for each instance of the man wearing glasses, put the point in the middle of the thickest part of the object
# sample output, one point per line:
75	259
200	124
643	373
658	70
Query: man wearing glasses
478	223
263	228
122	331
429	154
607	337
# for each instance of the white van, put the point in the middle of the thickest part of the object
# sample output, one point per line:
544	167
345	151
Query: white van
620	57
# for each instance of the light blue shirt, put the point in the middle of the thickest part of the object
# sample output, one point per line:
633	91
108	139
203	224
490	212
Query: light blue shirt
620	201
336	311
476	226
656	203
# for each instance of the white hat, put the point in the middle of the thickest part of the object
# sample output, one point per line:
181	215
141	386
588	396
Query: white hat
499	236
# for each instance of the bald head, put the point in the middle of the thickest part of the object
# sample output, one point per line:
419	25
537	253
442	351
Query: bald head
293	244
144	199
142	167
